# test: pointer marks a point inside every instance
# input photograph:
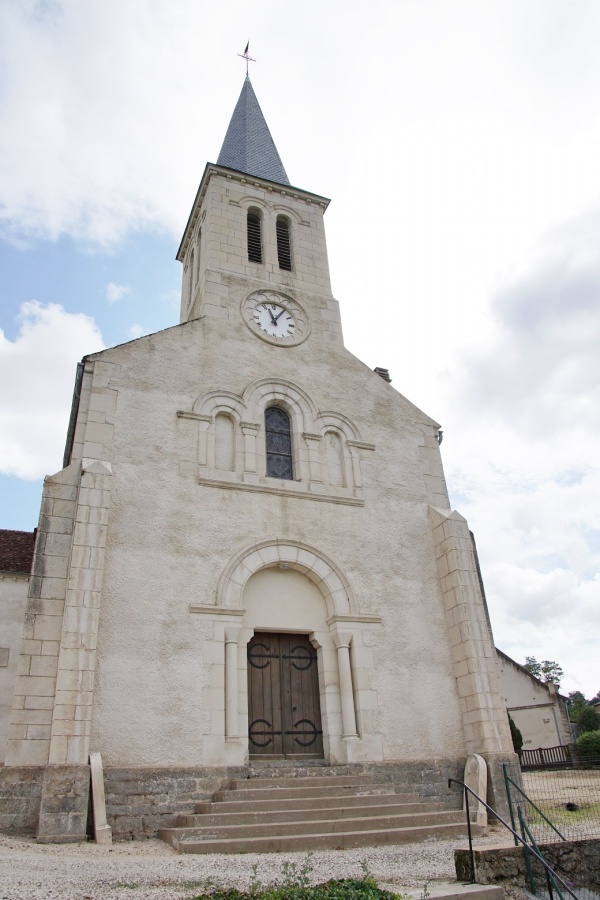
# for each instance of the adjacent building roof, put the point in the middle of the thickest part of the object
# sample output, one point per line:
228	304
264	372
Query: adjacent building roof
248	146
16	551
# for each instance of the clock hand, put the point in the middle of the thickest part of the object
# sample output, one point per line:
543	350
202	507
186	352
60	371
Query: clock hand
277	316
273	319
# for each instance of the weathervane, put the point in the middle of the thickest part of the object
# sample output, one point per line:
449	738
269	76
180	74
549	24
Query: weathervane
246	56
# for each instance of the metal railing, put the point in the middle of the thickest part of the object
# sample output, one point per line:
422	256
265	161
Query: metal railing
554	883
559	803
507	783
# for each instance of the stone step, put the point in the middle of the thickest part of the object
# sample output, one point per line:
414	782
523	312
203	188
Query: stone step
291	781
279	803
289	793
309	826
308	812
317	840
451	890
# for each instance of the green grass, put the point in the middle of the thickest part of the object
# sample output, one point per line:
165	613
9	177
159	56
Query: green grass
558	815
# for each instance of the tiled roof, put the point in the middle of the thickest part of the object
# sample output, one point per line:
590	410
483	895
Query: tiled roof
16	550
248	146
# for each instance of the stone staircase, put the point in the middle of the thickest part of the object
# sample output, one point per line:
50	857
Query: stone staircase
311	812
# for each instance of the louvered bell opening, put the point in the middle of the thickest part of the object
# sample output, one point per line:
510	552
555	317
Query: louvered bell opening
254	238
284	248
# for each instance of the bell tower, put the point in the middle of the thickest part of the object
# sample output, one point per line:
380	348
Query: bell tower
251	231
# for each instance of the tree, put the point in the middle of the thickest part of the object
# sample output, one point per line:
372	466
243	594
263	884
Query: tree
588	720
546	670
517	737
577	704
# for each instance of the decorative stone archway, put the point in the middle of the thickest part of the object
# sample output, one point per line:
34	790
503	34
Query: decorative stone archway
348	659
328	578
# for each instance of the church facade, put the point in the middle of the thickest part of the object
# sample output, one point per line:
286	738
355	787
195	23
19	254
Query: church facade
249	556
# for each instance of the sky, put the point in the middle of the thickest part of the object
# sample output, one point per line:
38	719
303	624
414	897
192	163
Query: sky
459	141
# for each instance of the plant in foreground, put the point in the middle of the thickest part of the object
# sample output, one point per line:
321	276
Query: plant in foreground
295	885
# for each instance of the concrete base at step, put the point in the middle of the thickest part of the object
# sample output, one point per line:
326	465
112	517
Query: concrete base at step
450	890
333	841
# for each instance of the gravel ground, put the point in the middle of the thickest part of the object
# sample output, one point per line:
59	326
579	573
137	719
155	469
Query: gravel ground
154	871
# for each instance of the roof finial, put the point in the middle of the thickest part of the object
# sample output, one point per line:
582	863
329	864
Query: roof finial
246	56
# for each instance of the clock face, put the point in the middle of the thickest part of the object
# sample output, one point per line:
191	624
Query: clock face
275	318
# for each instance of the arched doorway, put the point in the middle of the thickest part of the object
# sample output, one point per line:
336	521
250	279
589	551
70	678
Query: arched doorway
284	704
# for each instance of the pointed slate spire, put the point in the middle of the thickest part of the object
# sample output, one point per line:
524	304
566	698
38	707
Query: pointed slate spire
248	145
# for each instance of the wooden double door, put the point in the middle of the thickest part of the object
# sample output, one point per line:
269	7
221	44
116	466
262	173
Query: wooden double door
284	711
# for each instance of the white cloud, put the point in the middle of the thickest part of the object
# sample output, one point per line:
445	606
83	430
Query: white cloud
552	615
110	109
522	453
87	118
116	292
541	369
135	331
37	373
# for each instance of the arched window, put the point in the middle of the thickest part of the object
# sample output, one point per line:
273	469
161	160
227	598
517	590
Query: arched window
284	245
254	236
279	443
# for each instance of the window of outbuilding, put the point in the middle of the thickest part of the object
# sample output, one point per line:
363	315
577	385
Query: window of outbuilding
254	236
278	443
284	243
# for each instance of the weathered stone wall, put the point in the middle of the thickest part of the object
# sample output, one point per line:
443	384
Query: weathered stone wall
64	806
13	602
20	795
140	801
576	862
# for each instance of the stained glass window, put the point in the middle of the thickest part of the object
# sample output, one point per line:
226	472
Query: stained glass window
279	443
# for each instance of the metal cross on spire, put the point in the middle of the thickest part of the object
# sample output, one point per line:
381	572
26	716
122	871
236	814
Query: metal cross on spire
245	55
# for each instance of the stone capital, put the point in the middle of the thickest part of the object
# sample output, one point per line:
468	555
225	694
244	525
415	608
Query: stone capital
232	634
341	639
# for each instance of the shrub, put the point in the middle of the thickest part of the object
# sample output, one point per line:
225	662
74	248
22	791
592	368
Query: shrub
517	737
342	889
588	744
588	720
295	885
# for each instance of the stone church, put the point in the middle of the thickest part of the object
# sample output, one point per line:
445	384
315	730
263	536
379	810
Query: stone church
249	558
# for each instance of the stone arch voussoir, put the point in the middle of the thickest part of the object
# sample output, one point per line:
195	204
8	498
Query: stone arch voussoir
220	402
322	571
261	393
332	421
